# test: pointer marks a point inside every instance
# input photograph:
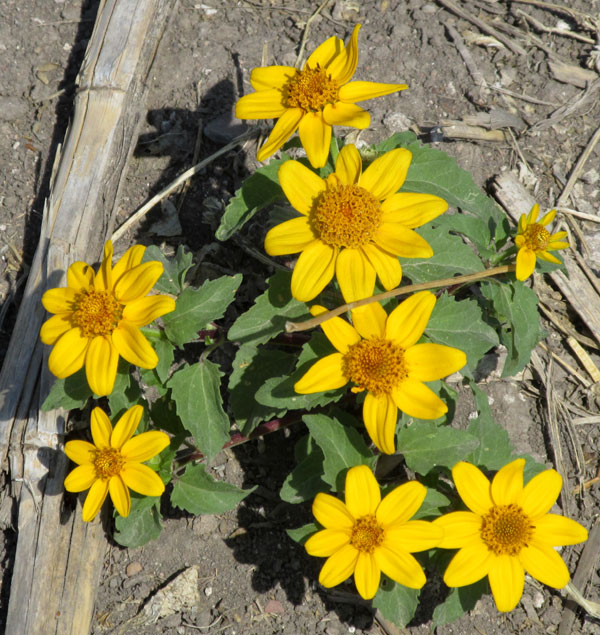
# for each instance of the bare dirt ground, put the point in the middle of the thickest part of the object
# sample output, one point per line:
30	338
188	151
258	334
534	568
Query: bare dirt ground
253	578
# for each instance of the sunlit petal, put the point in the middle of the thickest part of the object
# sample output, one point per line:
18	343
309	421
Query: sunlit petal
330	512
540	494
342	67
103	280
460	529
386	174
289	237
59	300
414	535
80	452
548	257
81	478
326	542
355	275
137	282
325	52
80	276
525	263
507	485
402	241
407	322
380	415
145	310
555	530
401	504
101	362
417	400
387	266
339	566
94	500
400	566
263	104
367	575
428	362
341	114
265	77
68	354
119	495
369	320
469	565
348	165
473	487
133	346
144	446
362	491
284	128
141	479
412	210
339	332
130	259
360	91
126	426
101	428
315	136
507	579
324	374
543	563
313	271
547	218
301	185
54	327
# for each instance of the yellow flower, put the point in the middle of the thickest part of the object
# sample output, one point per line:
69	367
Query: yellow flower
507	532
380	354
113	463
354	224
98	318
368	535
535	241
313	99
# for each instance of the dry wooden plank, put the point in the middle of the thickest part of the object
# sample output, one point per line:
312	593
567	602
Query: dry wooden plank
59	558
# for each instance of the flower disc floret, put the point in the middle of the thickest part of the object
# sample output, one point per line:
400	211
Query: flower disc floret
108	463
311	89
506	529
366	534
96	312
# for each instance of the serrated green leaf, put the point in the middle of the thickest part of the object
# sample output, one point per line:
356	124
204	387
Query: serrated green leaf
425	446
198	493
461	325
270	312
258	191
197	307
252	367
197	395
302	534
173	276
304	481
343	447
432	505
72	392
143	523
458	602
397	603
473	227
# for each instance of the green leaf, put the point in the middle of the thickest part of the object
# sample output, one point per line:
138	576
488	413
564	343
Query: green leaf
473	227
397	140
143	523
397	603
343	447
72	392
151	379
166	352
270	312
432	505
197	307
198	493
126	391
164	415
258	191
460	324
458	602
173	277
197	395
304	482
252	367
302	534
425	446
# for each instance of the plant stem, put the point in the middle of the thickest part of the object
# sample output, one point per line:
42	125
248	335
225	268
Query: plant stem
292	327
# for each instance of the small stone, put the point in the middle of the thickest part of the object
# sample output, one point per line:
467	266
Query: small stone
274	606
133	568
208	591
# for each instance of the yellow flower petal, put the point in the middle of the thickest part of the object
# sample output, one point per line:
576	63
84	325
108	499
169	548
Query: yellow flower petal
130	259
522	224
473	487
341	114
263	104
361	91
548	257
402	241
141	479
401	504
145	310
380	415
341	334
460	529
558	236
355	275
56	326
417	400
525	263
555	530
60	300
266	77
362	491
315	136
507	485
407	322
400	566
101	428
126	426
348	165
80	276
94	500
469	565
507	579
284	128
540	493
301	185
367	575
547	218
338	567
369	320
80	452
137	282
324	374
413	536
81	478
133	346
386	265
119	495
289	237
68	354
313	271
101	362
330	512
412	210
103	280
533	214
325	53
519	240
544	564
145	446
326	542
386	174
342	67
428	362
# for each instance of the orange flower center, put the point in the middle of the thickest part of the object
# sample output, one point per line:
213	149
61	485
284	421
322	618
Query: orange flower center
536	237
366	534
506	529
310	89
346	216
97	312
108	462
376	365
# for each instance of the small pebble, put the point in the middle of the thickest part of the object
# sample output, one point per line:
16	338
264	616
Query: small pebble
133	568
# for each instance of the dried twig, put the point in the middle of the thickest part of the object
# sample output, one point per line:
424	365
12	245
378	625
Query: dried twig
540	26
574	212
579	16
581	161
464	52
